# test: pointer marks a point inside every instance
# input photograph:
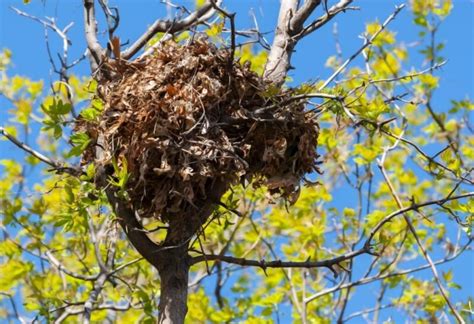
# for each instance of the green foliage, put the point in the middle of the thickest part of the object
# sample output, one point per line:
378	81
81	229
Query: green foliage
256	60
58	230
80	142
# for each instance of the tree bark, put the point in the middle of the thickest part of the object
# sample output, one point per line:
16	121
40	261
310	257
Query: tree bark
174	273
279	58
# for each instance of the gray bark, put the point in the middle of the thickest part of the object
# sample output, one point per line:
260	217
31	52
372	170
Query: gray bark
174	273
278	62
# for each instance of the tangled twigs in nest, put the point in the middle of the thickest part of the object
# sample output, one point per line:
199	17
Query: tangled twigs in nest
184	122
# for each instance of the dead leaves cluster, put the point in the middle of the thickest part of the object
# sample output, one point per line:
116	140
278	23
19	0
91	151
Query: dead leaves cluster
185	118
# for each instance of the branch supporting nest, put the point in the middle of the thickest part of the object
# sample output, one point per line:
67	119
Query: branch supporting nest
197	126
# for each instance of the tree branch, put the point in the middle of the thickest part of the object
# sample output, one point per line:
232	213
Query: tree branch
139	239
278	263
412	229
330	262
90	28
167	26
303	13
379	276
55	262
341	6
290	28
366	44
402	211
58	167
278	62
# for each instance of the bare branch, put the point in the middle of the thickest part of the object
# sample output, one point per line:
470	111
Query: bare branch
411	75
426	156
90	28
58	167
303	13
366	44
366	249
402	211
412	229
54	261
167	26
278	62
231	17
289	30
278	263
379	276
367	311
341	6
113	18
50	23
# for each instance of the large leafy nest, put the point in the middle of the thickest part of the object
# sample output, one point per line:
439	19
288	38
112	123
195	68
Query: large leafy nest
187	117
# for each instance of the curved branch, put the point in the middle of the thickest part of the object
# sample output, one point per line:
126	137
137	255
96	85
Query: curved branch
303	13
58	167
402	211
341	6
364	46
278	263
169	26
379	276
366	249
90	29
290	29
139	239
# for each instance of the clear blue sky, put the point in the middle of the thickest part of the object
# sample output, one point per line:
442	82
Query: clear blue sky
25	39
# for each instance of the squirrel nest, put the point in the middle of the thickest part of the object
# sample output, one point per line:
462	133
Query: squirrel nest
186	118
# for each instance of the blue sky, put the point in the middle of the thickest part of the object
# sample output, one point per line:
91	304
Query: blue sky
25	39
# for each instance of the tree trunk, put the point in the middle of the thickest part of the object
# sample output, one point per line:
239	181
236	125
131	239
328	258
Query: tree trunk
173	271
278	62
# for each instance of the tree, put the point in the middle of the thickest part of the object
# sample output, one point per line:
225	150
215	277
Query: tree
80	243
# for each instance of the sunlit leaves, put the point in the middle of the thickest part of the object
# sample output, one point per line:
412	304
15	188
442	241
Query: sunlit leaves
92	112
56	212
423	8
5	58
215	30
461	105
121	175
366	153
55	112
80	142
384	38
12	271
452	161
200	3
428	82
23	111
257	61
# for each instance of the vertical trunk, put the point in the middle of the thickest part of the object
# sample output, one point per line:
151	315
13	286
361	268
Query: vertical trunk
173	271
278	62
174	262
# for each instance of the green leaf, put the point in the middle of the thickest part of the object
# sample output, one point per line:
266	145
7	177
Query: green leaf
80	142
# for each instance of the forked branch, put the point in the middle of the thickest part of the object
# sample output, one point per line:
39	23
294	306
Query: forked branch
169	26
290	28
330	263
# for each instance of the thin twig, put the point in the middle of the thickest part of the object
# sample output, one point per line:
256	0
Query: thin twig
58	167
363	47
169	26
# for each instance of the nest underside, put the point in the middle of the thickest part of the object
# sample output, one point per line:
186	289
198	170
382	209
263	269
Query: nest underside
187	118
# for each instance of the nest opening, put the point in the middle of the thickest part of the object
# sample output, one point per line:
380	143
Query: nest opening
189	124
